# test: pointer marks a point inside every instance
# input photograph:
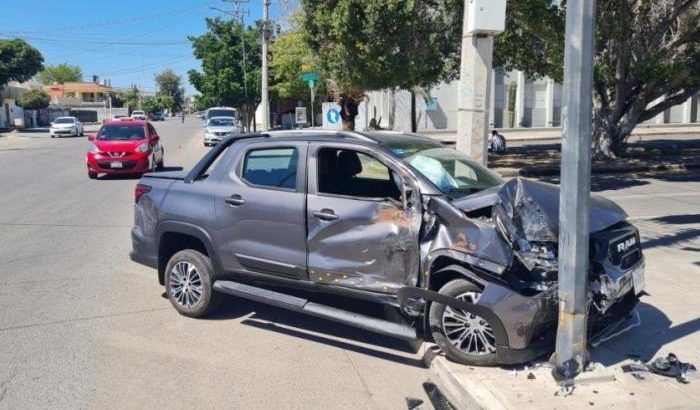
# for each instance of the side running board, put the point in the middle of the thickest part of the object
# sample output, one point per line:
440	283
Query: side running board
296	304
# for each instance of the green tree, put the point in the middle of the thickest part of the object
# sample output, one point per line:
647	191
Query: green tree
60	73
34	99
221	78
151	105
373	44
18	61
129	97
170	84
291	57
644	50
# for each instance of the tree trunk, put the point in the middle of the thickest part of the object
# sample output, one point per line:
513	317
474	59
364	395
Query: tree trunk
414	123
348	112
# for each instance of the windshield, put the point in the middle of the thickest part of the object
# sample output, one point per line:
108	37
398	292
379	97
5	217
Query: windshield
221	122
63	121
122	133
221	113
137	113
452	171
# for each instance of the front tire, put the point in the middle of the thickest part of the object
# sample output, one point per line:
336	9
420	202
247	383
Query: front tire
464	338
189	284
92	175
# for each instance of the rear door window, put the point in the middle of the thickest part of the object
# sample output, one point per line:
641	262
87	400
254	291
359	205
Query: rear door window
271	167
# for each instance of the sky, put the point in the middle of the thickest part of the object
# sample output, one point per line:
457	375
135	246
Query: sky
126	41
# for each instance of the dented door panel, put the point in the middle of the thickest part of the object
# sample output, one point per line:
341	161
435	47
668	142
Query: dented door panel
369	244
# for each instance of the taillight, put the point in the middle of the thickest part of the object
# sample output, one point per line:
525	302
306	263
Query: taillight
140	190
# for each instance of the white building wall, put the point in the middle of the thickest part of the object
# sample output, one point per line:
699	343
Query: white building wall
533	103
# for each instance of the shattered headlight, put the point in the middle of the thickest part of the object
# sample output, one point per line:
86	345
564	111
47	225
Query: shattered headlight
538	255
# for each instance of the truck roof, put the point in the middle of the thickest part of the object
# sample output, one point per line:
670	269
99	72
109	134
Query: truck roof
377	137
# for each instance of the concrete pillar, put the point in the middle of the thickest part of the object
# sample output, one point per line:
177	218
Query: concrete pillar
474	99
520	100
687	110
549	103
659	119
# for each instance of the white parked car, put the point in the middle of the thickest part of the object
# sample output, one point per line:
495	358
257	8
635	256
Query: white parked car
66	126
218	128
139	115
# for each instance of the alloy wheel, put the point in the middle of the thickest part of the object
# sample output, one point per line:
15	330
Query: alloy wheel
466	331
186	284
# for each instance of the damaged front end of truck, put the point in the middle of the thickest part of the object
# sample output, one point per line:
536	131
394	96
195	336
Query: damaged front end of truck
505	241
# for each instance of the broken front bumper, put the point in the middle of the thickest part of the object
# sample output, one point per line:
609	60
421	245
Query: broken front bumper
524	326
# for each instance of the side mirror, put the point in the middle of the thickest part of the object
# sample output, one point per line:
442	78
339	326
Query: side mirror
155	137
91	137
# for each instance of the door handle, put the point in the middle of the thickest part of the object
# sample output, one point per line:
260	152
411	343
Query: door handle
234	200
325	214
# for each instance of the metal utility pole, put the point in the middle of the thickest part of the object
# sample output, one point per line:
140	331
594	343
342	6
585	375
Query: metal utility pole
239	13
482	20
263	94
571	355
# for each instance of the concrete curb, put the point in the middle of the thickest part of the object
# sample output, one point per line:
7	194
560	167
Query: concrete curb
463	393
554	171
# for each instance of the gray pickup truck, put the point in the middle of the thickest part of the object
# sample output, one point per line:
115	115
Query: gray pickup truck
466	259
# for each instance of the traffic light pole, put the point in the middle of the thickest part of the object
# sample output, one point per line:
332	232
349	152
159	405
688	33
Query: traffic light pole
571	355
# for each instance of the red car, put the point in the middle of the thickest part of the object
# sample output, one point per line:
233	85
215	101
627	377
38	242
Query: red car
124	147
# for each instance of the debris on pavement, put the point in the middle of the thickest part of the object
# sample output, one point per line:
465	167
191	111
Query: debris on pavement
437	398
412	403
671	366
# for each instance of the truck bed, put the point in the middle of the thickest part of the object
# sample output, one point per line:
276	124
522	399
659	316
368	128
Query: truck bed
173	175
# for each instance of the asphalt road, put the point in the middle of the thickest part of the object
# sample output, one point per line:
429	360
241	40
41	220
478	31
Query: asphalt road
81	326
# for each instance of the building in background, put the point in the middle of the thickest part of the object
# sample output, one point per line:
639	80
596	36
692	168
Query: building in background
10	113
90	101
516	102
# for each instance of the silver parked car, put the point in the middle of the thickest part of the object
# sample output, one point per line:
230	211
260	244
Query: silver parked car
66	126
218	128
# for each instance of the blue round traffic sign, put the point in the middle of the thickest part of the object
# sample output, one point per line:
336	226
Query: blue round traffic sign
333	116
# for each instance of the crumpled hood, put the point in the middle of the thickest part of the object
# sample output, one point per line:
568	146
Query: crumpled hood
529	210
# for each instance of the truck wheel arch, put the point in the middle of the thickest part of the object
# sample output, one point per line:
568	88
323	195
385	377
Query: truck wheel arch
174	236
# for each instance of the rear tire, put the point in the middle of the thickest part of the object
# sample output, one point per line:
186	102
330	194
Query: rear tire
189	284
464	338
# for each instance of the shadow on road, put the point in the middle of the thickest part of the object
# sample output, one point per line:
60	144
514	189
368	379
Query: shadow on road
121	177
603	182
646	341
329	333
679	235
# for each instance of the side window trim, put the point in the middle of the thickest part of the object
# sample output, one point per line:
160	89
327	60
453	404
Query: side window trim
240	168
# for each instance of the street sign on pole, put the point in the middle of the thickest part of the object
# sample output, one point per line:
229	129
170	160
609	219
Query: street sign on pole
311	79
574	216
331	116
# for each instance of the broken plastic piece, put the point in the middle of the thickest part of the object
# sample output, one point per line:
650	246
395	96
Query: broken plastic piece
413	403
672	367
437	399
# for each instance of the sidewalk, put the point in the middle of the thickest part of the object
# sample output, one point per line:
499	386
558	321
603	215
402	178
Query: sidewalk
643	131
496	389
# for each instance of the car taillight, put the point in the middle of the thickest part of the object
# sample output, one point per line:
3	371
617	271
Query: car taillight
140	190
